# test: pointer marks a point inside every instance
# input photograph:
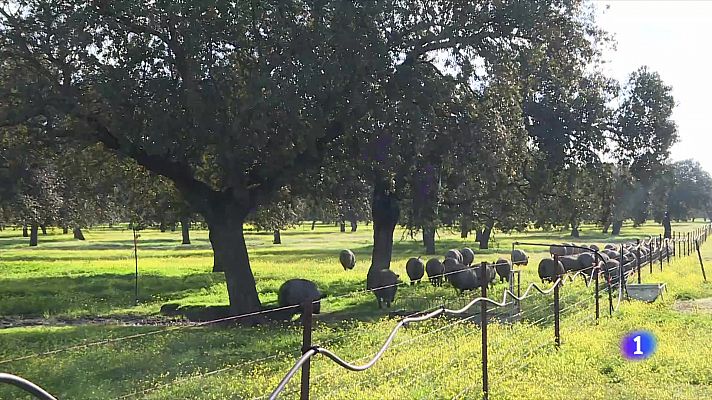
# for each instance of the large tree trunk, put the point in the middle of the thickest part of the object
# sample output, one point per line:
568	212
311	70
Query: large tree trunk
617	225
478	235
606	226
464	229
354	225
25	233
429	240
486	234
44	229
277	237
65	230
78	234
33	235
185	230
217	267
575	229
228	241
386	211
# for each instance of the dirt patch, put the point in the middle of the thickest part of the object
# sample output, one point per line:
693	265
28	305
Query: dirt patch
690	306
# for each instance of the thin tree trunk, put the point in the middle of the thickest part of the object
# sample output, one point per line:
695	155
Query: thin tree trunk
429	240
486	234
44	229
617	225
354	225
162	227
65	230
228	240
313	225
385	211
185	230
277	237
33	235
78	234
342	226
25	233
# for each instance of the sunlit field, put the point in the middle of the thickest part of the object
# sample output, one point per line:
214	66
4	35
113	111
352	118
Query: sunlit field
67	293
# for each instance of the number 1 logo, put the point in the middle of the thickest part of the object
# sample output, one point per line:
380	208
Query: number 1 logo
638	345
638	351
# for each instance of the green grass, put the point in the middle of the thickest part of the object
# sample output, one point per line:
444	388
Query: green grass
63	278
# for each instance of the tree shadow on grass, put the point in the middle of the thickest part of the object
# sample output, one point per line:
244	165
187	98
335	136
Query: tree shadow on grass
95	294
152	244
15	242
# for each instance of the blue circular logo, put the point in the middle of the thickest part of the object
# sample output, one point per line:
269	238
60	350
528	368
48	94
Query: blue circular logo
638	345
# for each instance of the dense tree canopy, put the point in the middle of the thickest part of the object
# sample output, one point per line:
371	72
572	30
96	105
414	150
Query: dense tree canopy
486	114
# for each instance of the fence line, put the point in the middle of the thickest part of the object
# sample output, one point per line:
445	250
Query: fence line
314	350
623	275
518	361
451	361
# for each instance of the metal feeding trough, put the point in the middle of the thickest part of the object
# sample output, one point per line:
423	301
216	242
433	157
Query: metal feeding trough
647	292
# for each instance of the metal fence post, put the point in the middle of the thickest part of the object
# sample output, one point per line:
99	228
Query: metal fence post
672	237
699	255
637	258
307	320
610	288
483	316
667	251
651	256
596	272
557	316
519	290
660	251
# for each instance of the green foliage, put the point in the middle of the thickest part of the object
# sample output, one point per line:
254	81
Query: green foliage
284	212
690	190
646	130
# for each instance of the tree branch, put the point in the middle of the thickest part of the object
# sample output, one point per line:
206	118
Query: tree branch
180	173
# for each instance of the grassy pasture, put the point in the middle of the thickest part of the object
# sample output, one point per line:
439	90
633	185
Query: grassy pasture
64	279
